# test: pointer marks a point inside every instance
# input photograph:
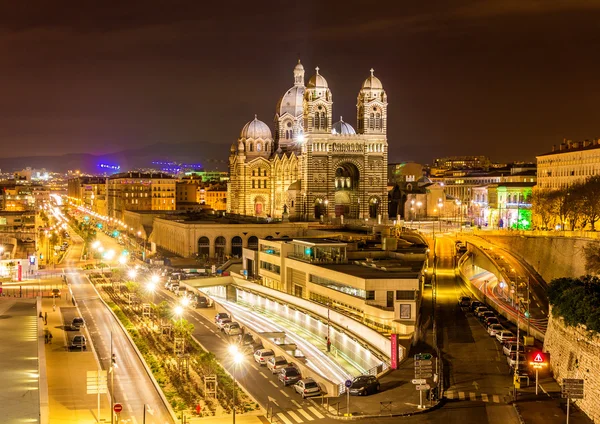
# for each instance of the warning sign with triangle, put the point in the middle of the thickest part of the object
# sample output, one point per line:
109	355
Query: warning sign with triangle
538	358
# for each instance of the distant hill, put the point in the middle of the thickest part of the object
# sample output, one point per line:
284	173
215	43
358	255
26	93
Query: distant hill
210	155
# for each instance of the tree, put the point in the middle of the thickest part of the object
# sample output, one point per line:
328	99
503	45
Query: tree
591	200
182	327
542	208
591	252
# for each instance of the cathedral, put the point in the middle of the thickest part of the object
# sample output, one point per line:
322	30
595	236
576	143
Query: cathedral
312	167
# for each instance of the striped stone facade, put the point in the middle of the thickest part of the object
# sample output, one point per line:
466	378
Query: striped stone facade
313	167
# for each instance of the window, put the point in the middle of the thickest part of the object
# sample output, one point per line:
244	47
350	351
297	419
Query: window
405	294
405	311
370	295
258	147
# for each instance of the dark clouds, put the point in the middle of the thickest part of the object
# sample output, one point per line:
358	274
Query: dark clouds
507	78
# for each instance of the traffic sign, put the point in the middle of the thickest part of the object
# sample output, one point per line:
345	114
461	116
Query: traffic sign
572	388
419	381
348	383
538	360
117	407
422	363
423	375
423	356
423	387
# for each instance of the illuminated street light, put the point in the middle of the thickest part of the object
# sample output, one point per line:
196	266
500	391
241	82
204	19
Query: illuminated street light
185	301
178	310
237	358
132	273
155	279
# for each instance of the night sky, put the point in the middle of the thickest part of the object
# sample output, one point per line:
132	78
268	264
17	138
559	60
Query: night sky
504	78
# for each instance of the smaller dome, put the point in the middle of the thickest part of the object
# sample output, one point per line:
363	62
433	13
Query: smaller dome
232	149
373	82
241	146
317	80
256	129
342	128
299	66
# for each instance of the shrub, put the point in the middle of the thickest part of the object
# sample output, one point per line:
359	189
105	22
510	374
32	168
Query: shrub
576	300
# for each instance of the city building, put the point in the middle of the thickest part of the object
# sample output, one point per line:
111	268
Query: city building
209	176
503	205
215	197
139	191
186	194
568	163
88	191
311	166
22	196
462	162
379	288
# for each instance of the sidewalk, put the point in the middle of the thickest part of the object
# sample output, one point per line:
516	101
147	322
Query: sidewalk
67	372
547	407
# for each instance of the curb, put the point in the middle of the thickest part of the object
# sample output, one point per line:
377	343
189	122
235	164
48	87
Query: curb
438	405
516	406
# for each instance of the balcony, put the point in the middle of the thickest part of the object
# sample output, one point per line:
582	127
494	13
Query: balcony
311	260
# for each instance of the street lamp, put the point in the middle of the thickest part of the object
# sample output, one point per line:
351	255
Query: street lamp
237	358
132	273
419	204
440	206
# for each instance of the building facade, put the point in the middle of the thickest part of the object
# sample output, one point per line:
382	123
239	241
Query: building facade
568	163
138	191
313	167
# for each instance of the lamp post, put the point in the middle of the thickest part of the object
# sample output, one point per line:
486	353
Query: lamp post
440	206
419	204
236	358
412	212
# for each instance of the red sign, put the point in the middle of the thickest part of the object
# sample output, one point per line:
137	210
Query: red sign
538	358
19	271
117	407
394	355
198	409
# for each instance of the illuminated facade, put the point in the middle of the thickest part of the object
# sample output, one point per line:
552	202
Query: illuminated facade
503	205
138	191
312	166
568	163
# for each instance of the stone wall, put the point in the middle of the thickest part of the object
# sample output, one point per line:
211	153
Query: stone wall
551	257
575	353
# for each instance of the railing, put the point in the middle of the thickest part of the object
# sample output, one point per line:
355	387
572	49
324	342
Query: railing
311	260
383	308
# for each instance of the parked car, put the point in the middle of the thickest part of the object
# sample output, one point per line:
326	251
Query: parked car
480	310
464	301
289	375
475	304
276	364
494	329
220	316
233	329
491	320
364	384
261	356
223	322
55	292
202	302
506	336
246	340
78	342
77	323
512	359
485	315
523	369
510	348
307	387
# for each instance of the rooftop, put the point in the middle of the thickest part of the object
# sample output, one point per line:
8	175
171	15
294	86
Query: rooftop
380	269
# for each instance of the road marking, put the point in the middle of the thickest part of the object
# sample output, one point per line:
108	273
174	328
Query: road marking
263	374
296	403
461	395
284	393
254	366
283	418
307	415
295	417
496	399
274	385
472	396
133	419
484	397
314	411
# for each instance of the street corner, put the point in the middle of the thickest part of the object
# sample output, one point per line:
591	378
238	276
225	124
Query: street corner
388	411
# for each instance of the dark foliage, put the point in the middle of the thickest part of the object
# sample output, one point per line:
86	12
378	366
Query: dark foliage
577	300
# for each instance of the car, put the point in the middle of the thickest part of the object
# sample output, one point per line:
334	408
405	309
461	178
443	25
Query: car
261	356
491	320
223	322
246	339
475	304
485	315
233	329
276	363
202	302
55	292
512	359
523	369
510	348
307	387
506	336
289	375
77	323
464	301
78	342
220	316
363	385
480	310
493	329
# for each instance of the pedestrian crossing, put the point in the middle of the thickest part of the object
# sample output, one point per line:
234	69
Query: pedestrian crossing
472	396
297	416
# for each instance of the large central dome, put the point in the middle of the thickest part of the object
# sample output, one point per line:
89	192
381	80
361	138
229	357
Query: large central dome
256	129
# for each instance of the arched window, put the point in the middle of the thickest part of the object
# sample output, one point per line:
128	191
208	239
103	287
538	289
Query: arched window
323	120
317	120
372	121
251	147
203	247
236	246
220	244
253	242
258	147
378	125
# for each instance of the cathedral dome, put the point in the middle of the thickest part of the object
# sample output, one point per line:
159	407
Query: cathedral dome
317	80
342	128
256	129
292	101
373	82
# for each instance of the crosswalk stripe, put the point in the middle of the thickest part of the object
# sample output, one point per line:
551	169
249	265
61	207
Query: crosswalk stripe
461	395
472	396
283	418
295	417
306	414
484	397
314	411
496	398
